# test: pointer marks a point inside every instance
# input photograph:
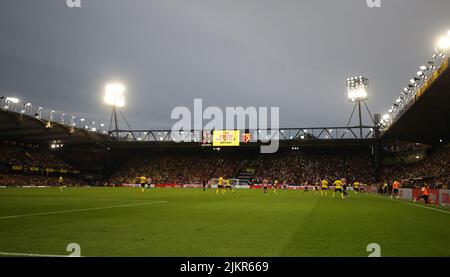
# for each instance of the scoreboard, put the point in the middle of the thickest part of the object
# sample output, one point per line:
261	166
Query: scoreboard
226	138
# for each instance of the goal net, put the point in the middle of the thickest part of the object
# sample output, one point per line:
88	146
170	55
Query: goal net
215	181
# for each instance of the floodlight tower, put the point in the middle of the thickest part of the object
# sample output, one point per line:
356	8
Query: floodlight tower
358	92
115	97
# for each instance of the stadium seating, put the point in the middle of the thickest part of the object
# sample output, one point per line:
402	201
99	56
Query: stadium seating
286	166
292	167
434	170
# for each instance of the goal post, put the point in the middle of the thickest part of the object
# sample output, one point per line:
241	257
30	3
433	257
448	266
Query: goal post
215	181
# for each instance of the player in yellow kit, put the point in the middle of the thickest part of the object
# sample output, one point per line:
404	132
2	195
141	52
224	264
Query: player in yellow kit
219	185
338	187
356	187
228	186
275	186
142	181
324	188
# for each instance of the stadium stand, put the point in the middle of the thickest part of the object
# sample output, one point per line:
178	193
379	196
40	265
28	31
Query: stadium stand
288	166
433	170
19	154
27	164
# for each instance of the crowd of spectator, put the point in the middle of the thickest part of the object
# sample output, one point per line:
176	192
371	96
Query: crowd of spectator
433	170
179	169
15	154
290	167
286	166
310	168
36	180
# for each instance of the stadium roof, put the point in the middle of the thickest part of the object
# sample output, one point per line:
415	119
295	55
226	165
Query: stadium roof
28	129
428	119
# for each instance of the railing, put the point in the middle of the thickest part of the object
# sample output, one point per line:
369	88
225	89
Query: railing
205	136
52	116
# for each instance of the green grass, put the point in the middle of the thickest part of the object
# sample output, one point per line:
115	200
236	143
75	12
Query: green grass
196	223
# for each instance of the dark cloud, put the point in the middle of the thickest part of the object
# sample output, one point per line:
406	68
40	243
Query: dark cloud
291	54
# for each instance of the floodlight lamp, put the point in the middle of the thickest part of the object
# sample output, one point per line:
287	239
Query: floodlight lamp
357	89
444	43
357	94
12	100
115	95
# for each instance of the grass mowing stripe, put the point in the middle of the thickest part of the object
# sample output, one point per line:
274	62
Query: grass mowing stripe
81	210
413	204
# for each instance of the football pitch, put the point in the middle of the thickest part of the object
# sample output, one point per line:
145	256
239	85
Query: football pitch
190	222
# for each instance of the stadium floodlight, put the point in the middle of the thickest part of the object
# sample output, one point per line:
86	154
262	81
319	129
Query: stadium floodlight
115	95
386	117
115	98
357	92
423	67
444	42
12	100
357	89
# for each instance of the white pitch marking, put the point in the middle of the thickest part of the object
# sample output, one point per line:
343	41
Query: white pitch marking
80	210
416	205
32	255
72	198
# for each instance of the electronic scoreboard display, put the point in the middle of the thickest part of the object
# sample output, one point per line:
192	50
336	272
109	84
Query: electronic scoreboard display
226	138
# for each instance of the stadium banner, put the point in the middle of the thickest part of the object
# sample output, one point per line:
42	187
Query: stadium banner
241	186
192	186
131	185
135	185
433	198
17	167
290	187
34	169
406	194
444	197
226	138
168	186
